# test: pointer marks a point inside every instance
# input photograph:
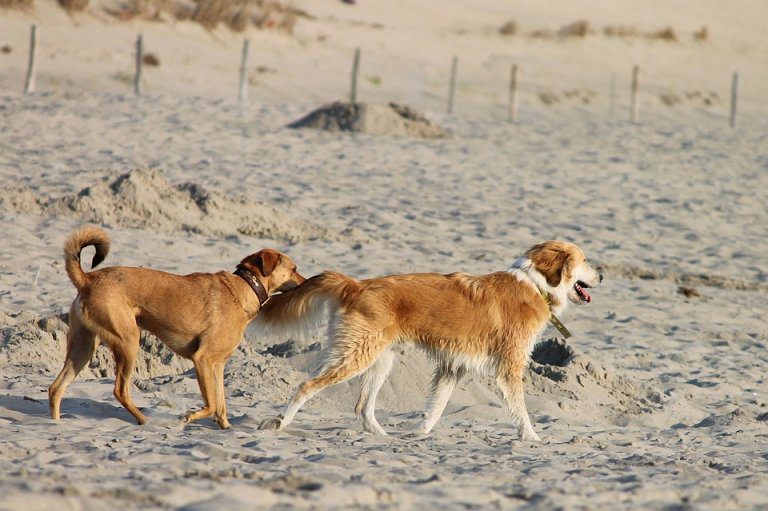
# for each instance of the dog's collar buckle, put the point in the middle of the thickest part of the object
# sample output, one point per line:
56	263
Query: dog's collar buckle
554	319
252	281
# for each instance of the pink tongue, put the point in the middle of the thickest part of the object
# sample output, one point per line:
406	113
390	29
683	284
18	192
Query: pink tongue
583	293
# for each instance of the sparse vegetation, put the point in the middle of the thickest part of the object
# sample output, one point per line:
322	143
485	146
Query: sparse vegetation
237	15
151	59
701	35
576	29
696	97
508	28
620	31
665	34
16	4
582	28
73	5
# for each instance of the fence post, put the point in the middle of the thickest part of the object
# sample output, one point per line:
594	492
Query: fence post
634	109
29	82
734	97
353	84
513	94
139	63
242	92
452	83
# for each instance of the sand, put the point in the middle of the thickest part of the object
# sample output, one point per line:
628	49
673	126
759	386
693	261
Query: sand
659	401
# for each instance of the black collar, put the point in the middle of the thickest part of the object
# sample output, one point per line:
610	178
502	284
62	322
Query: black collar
252	281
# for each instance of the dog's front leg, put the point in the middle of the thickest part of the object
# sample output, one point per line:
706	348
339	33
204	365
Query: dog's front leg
443	383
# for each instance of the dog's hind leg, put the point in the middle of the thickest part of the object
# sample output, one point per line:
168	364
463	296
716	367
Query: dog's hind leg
373	379
351	355
443	382
125	350
81	345
510	381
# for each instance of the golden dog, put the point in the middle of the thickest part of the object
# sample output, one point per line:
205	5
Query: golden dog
201	317
466	322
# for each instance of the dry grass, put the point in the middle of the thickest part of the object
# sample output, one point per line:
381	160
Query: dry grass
237	15
701	35
582	29
578	28
665	34
16	4
73	5
151	59
620	31
508	28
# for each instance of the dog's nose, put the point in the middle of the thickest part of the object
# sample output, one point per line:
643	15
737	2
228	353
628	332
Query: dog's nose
601	277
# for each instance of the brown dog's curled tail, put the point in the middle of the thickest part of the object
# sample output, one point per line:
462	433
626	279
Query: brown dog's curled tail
301	310
81	238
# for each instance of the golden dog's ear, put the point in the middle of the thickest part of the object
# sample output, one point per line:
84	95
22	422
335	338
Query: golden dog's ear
265	261
553	263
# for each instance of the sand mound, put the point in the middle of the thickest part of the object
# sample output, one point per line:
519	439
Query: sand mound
143	198
37	344
390	119
584	385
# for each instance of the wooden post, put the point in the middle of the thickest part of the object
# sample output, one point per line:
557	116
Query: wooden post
242	92
452	83
734	95
634	109
353	84
139	63
29	83
513	94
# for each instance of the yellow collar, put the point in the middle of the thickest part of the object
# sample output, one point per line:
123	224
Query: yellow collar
554	319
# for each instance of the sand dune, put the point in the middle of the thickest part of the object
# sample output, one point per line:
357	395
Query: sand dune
143	198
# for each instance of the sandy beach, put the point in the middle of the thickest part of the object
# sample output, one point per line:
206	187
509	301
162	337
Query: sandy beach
660	399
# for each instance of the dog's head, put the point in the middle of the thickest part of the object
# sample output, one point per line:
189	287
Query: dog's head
564	271
278	270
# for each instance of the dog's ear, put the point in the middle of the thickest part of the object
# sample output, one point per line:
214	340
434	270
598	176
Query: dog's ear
551	262
266	261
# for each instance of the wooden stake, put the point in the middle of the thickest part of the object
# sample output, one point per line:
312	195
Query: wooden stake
242	92
634	109
513	94
734	97
452	83
29	82
139	63
353	84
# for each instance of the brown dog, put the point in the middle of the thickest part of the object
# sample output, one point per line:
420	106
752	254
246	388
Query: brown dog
201	317
467	322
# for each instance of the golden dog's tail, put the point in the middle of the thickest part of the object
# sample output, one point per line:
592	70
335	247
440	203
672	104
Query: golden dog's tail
81	238
301	310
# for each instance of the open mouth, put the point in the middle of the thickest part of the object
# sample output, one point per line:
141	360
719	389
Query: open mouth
579	287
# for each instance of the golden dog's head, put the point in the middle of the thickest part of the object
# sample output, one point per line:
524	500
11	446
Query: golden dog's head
278	270
564	269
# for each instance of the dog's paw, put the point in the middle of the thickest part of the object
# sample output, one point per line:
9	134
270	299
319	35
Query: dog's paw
530	437
273	423
222	422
